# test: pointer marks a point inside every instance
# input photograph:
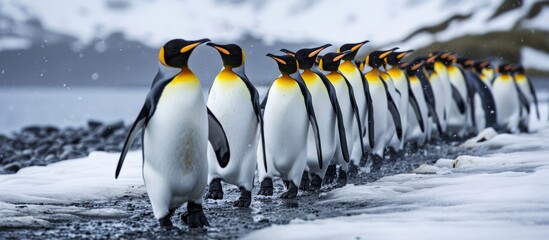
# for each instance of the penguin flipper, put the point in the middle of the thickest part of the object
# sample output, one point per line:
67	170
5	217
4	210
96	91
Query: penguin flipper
394	111
370	111
218	140
488	102
257	110
523	100
458	99
312	119
430	99
339	117
415	106
137	125
533	92
357	114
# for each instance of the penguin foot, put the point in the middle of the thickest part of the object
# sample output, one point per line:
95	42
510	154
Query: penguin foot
215	190
166	221
316	183
266	188
291	193
341	179
245	199
353	170
194	217
330	174
305	182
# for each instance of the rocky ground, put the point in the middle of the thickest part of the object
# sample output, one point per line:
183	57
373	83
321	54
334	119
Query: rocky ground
43	145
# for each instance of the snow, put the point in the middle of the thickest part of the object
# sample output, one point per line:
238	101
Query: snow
288	21
503	194
37	196
534	59
539	22
10	43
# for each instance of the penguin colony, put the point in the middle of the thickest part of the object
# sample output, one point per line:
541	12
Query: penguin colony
321	118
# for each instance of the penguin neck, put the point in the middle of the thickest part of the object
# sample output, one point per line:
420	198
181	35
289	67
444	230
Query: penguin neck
185	76
347	66
308	75
334	76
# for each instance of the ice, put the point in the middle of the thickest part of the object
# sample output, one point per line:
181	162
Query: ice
503	194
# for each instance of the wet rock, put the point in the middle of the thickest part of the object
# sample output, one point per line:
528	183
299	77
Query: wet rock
12	167
111	128
93	124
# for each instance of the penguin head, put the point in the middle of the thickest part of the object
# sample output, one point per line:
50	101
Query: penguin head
330	61
376	58
176	52
467	63
353	47
505	68
394	58
286	63
519	69
306	56
231	54
414	66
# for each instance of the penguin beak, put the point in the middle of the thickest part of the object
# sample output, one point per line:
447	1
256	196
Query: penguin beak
284	50
219	48
318	50
193	45
417	65
276	58
358	45
404	54
386	53
341	55
431	59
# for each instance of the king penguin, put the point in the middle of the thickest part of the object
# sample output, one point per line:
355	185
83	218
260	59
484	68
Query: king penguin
329	119
288	113
349	109
506	99
439	95
235	102
350	70
528	97
409	107
458	108
384	107
415	131
176	127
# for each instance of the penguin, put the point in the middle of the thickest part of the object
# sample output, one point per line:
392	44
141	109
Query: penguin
384	107
352	73
351	116
506	99
176	126
458	109
480	99
394	131
235	102
329	119
527	96
288	113
416	129
408	105
447	101
439	97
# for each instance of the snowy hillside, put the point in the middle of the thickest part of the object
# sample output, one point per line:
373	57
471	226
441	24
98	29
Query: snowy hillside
479	28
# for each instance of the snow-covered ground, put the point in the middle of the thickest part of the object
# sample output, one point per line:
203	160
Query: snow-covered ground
501	195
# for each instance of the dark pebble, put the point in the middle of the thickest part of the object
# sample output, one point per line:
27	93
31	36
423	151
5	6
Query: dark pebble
93	124
111	128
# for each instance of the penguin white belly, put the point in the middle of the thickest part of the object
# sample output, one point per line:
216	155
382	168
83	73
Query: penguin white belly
230	101
381	112
352	74
480	120
175	163
286	127
326	120
525	89
413	132
444	79
507	104
438	92
344	99
457	122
